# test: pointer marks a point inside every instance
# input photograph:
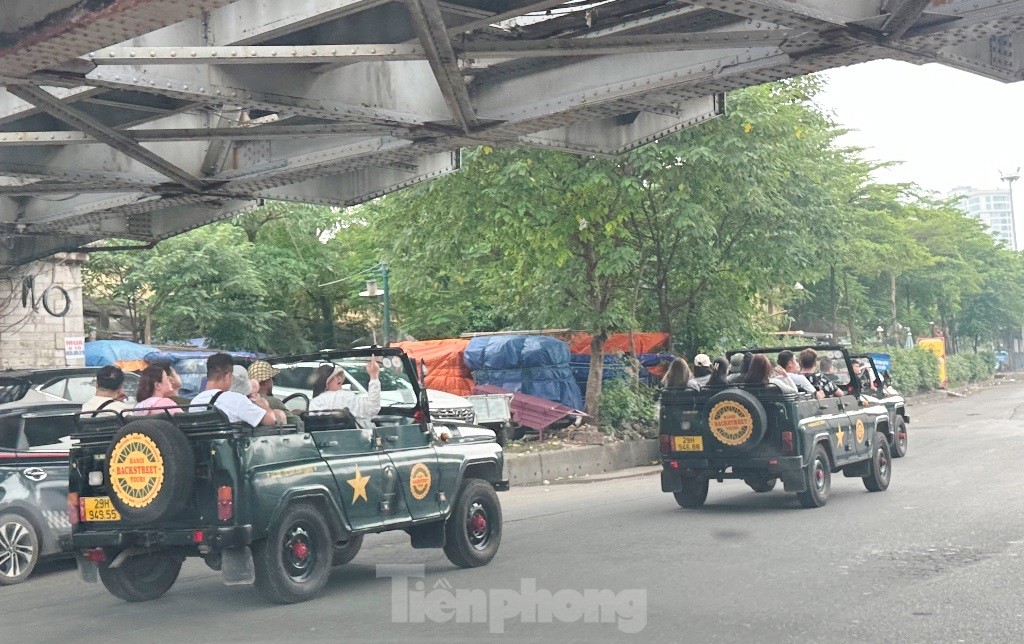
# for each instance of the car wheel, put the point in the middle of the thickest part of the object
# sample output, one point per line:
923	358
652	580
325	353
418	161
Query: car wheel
472	533
19	549
818	475
881	465
762	485
694	492
294	561
898	449
346	553
151	469
142	577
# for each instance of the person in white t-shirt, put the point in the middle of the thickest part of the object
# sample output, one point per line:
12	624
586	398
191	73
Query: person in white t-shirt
237	407
363	406
110	395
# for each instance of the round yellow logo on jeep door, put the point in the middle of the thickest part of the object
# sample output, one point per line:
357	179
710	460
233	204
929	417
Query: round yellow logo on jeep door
419	481
860	430
731	423
136	470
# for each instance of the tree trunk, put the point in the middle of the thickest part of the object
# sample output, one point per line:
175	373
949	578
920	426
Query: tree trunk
892	297
593	401
849	310
147	334
327	313
834	301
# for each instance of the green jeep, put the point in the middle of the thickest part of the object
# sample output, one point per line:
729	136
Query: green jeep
876	387
758	434
277	506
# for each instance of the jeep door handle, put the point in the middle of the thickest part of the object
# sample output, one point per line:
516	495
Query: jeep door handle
391	439
34	473
329	444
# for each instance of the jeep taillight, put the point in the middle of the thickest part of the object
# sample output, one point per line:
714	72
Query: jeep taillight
73	511
225	503
787	442
665	444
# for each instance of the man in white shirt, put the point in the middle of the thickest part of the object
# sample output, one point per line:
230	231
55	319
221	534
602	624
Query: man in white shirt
237	407
110	394
363	406
787	361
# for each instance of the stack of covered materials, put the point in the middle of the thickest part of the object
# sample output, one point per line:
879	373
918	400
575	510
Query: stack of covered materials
533	364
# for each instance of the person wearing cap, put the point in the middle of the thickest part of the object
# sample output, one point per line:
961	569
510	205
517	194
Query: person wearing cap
110	395
263	373
364	406
228	390
701	369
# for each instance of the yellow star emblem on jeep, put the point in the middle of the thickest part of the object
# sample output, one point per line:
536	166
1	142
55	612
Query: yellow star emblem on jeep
359	486
840	433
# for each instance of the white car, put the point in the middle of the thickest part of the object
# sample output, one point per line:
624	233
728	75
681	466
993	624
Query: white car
298	378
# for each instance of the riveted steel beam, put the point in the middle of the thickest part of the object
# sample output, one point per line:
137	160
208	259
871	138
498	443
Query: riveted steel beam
902	16
611	45
255	54
115	139
237	133
433	34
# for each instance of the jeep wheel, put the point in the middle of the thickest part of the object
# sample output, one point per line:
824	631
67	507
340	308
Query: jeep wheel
347	552
19	549
294	561
898	449
142	577
881	466
472	533
151	469
694	492
761	485
818	475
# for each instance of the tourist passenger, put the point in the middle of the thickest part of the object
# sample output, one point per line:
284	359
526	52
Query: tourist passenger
110	395
678	376
744	367
263	373
719	372
175	380
155	390
808	361
364	406
235	405
761	372
701	369
787	361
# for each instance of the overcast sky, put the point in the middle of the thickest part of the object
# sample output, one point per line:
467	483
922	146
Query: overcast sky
948	127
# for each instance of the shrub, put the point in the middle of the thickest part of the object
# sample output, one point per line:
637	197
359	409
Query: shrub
625	404
970	367
915	370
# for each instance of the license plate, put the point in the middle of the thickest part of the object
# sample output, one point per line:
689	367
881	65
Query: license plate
99	508
688	443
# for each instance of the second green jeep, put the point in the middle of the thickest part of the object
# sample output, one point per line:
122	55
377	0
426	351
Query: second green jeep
278	506
760	435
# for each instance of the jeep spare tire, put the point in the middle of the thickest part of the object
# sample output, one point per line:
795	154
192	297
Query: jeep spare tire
150	470
735	420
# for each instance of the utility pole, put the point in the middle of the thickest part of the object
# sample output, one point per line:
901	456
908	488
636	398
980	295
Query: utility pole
384	271
1009	178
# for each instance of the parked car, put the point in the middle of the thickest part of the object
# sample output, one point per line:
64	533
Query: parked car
34	445
295	385
77	384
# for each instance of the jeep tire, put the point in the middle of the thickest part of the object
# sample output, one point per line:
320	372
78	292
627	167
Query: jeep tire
19	549
818	476
472	532
294	561
881	465
898	448
347	551
173	485
142	577
694	492
736	398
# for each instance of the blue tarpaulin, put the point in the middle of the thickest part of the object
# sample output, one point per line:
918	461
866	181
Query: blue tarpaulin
533	364
614	367
104	352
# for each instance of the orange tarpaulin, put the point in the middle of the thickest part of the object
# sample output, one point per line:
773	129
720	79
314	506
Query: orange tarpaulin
579	343
443	361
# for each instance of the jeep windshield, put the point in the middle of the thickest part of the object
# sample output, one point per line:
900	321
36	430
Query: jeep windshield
396	390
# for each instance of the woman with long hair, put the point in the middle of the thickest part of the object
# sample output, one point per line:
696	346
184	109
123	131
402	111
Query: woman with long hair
155	387
761	372
678	375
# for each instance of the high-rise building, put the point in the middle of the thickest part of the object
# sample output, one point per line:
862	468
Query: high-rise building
990	207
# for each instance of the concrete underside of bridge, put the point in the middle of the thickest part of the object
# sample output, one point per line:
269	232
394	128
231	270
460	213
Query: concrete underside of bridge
141	119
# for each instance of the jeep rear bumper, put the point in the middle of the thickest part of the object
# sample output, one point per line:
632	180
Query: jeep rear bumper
215	538
787	468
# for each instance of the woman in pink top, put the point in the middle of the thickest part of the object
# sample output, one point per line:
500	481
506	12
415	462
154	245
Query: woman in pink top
154	387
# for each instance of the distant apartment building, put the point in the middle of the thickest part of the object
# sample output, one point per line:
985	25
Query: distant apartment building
990	207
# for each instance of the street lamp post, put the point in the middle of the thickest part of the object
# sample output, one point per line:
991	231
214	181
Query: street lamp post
385	292
1009	178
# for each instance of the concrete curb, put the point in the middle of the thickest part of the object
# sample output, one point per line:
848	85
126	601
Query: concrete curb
965	390
572	463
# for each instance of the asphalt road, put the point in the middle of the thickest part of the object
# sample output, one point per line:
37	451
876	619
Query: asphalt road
939	557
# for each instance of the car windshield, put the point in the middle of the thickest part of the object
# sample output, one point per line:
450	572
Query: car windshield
82	387
394	384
